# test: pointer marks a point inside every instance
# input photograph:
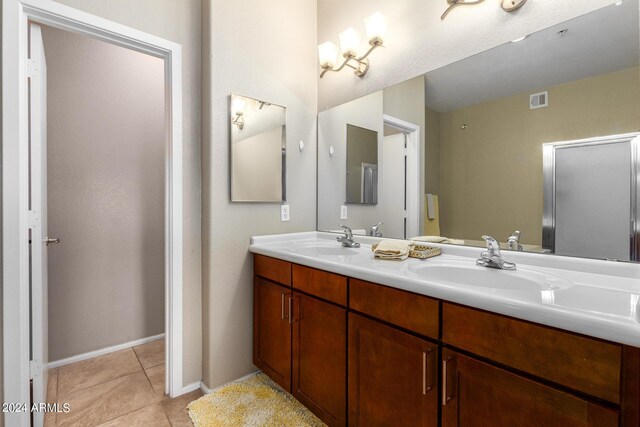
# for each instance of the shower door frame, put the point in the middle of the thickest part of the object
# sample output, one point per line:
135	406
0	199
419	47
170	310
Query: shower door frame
549	191
15	183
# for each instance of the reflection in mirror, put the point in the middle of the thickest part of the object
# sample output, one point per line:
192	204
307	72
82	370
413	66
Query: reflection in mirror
362	165
258	150
534	142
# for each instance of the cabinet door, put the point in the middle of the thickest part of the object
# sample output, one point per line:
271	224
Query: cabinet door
320	358
476	394
272	331
392	376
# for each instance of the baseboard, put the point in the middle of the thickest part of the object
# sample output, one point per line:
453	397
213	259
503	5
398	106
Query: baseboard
192	387
207	390
102	352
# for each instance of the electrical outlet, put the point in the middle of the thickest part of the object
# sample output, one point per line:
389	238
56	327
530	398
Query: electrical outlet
284	213
343	212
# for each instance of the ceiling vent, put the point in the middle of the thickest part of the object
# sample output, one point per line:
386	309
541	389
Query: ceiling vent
539	100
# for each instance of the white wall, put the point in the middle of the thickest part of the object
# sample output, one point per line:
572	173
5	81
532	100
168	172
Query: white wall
265	50
365	112
418	41
178	21
106	193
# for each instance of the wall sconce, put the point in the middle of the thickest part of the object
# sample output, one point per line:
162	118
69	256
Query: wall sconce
376	28
237	110
507	5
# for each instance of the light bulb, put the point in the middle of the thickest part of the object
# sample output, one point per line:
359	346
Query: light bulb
376	26
237	105
327	53
349	42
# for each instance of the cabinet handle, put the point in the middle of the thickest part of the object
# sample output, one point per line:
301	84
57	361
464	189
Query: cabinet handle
445	395
290	309
282	304
426	386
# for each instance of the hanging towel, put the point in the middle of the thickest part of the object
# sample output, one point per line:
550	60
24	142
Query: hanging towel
438	239
393	249
432	217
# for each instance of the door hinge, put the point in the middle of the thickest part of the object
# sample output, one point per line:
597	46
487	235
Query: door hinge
405	151
34	219
404	214
35	369
32	68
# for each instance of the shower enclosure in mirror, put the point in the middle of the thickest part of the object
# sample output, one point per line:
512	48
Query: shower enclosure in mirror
486	125
258	150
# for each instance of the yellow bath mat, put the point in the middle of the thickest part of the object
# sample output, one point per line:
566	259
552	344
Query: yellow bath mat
255	401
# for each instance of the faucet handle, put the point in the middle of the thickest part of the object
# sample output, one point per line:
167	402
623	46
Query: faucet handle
347	231
515	235
493	247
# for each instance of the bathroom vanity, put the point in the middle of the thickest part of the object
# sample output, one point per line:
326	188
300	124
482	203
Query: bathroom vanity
367	342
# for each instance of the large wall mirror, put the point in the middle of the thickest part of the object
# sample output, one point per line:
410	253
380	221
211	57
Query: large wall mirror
535	142
258	150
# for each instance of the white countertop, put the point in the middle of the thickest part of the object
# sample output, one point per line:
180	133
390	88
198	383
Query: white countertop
602	301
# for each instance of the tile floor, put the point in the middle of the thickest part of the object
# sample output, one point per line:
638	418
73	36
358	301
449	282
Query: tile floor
125	388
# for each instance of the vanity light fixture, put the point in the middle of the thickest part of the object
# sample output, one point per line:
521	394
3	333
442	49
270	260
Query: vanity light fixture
376	29
237	109
618	3
507	5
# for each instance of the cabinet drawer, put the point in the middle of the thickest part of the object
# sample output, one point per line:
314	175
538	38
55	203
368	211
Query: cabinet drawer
580	363
475	393
329	286
410	311
273	269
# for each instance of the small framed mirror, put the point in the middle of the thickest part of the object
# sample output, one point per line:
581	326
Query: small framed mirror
257	132
362	166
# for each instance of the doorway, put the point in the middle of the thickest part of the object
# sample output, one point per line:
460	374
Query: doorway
24	200
400	186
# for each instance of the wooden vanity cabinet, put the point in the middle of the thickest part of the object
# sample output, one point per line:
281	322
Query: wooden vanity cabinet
476	394
320	343
271	324
393	376
320	357
364	354
272	330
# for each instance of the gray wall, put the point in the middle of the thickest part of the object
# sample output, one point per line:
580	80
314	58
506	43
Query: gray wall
178	21
266	50
106	143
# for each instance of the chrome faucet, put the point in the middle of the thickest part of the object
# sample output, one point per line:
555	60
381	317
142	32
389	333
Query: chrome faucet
374	230
492	258
347	240
513	242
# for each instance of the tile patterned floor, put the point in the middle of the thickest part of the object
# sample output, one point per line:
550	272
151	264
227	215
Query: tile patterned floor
124	388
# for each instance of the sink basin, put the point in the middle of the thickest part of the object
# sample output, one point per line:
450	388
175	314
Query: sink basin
325	251
466	273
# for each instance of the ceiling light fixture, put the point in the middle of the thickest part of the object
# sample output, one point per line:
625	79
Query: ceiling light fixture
519	39
376	30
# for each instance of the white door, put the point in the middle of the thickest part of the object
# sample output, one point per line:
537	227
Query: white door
393	186
37	72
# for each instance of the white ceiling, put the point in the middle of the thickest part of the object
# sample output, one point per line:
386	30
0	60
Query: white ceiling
599	42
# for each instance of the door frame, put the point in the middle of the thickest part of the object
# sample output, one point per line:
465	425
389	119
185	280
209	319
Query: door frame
412	132
16	14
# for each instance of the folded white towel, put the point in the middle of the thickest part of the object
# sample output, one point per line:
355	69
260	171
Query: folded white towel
393	249
438	239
